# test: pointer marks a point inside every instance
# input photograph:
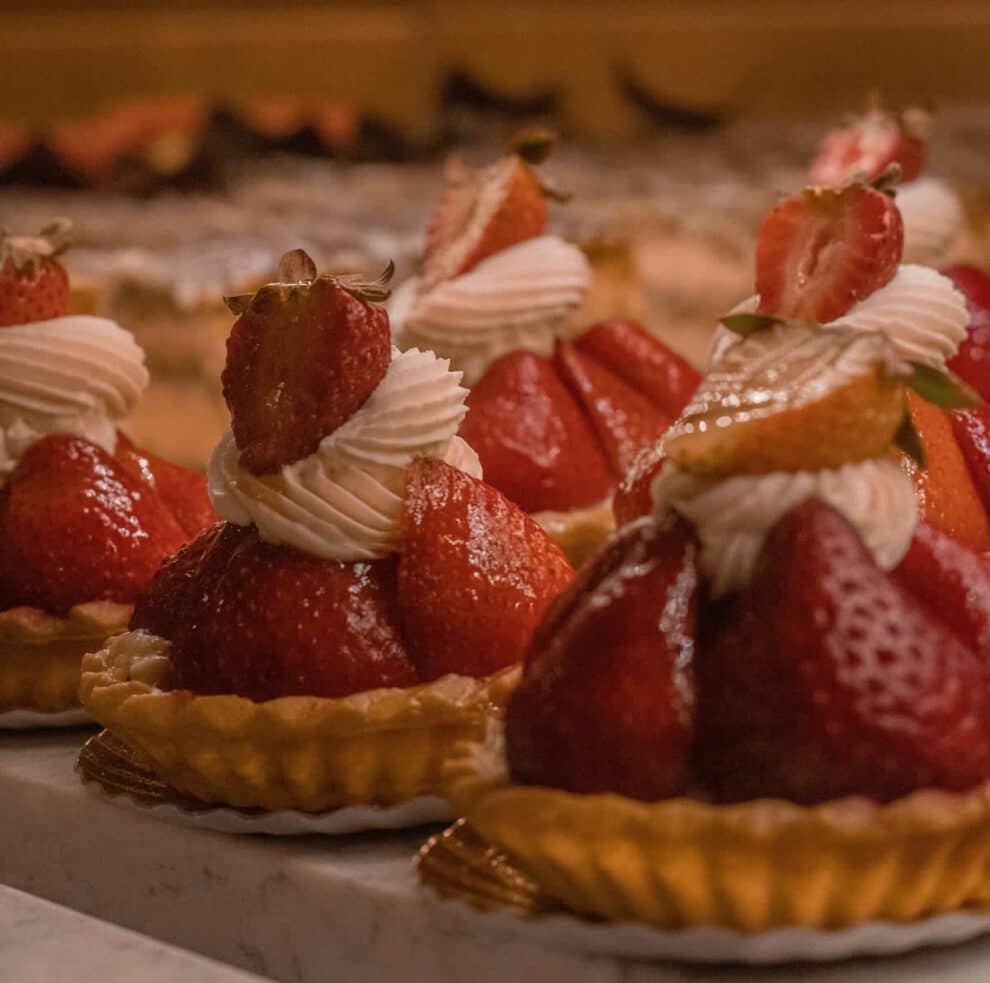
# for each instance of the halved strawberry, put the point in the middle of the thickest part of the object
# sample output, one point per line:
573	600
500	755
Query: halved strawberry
183	491
827	679
606	703
633	498
483	212
972	432
475	574
948	498
33	283
625	420
302	358
868	146
77	527
953	582
825	249
535	443
265	621
972	362
629	351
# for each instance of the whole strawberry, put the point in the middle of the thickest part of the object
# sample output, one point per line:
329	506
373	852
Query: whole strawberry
33	283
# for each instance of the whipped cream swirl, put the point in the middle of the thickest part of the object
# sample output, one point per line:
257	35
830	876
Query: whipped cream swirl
344	501
933	220
77	375
733	516
519	298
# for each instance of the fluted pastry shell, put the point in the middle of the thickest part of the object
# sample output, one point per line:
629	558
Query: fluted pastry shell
579	532
40	653
750	867
312	754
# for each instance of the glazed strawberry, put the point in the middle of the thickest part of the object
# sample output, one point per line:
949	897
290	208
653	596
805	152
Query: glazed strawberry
633	498
183	491
33	283
629	351
475	574
953	582
869	146
303	357
535	443
606	703
483	212
828	679
972	432
948	498
972	362
823	250
77	527
264	621
625	420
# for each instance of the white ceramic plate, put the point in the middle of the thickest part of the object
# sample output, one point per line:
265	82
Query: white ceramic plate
350	819
34	720
720	946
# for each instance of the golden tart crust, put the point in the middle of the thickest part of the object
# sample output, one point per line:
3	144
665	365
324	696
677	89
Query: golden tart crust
381	747
40	653
579	532
750	867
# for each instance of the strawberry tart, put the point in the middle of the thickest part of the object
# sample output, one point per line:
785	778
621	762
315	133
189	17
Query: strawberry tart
359	606
556	415
86	518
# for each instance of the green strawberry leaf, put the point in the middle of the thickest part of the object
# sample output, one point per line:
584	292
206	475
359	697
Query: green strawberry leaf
942	388
746	324
908	440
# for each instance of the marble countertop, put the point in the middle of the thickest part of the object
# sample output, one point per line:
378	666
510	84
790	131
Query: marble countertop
304	909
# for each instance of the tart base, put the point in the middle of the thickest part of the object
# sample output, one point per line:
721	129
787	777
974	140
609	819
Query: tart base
379	747
40	653
750	867
579	532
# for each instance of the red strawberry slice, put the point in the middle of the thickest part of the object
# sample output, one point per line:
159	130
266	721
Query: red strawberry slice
828	679
77	527
301	360
825	249
867	148
183	491
535	443
33	283
264	621
971	429
475	574
606	703
972	362
629	351
634	498
485	212
953	582
625	420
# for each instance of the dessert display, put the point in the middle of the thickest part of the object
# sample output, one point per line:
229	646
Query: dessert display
365	599
86	518
765	703
866	147
556	415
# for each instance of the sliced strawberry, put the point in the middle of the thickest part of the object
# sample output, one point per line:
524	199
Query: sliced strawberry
972	432
634	498
825	249
625	420
301	360
606	703
535	443
827	679
948	497
629	351
77	527
264	621
953	582
484	212
183	491
33	283
972	362
475	574
867	148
